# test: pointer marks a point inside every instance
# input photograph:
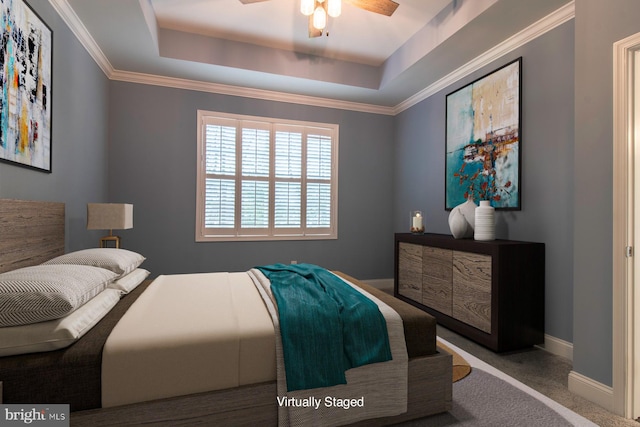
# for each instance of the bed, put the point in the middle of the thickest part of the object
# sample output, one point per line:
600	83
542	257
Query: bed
33	232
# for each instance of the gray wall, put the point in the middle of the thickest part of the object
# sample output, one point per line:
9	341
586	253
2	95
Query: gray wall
152	164
547	165
116	141
79	136
598	25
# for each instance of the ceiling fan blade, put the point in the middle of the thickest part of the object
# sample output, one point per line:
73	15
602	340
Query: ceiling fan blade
251	1
383	7
313	31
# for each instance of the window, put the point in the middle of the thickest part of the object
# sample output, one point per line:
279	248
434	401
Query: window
262	179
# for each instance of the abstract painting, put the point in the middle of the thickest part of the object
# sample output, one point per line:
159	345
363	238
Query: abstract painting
25	103
483	140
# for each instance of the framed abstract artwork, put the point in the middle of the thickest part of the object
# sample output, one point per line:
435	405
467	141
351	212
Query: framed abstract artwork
25	104
483	140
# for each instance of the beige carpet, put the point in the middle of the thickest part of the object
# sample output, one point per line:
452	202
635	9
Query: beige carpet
461	367
488	397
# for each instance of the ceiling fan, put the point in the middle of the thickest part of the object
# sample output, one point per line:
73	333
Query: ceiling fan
317	10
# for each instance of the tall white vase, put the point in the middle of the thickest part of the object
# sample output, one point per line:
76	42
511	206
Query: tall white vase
485	222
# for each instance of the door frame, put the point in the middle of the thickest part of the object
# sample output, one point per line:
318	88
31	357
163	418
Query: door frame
626	381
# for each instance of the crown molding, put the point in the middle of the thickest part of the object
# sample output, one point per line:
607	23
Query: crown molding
222	89
548	23
535	30
76	26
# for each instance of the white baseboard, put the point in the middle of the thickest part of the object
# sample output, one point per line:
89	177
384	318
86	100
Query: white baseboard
591	390
558	347
579	384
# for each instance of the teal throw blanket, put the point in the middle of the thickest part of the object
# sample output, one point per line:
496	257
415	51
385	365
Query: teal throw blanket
327	327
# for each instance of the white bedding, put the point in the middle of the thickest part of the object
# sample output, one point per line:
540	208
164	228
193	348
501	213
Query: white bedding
203	332
187	334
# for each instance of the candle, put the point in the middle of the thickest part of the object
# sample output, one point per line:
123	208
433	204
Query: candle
417	222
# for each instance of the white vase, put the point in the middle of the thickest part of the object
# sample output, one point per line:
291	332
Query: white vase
485	222
458	224
462	219
468	209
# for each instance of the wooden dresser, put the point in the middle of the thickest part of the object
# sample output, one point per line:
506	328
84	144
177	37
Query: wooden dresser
489	291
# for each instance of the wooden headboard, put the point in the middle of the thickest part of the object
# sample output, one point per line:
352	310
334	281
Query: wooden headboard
31	232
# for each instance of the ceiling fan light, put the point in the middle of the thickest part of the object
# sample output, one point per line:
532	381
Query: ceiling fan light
319	18
334	8
307	7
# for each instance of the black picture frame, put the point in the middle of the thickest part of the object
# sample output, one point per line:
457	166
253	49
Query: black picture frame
483	140
26	49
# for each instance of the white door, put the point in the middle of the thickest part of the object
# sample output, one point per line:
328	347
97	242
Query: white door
626	227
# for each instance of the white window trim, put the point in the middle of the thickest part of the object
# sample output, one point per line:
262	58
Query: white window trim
271	233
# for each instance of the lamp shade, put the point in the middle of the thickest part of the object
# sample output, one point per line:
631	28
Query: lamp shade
109	216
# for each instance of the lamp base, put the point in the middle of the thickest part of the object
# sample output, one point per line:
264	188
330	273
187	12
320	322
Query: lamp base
110	242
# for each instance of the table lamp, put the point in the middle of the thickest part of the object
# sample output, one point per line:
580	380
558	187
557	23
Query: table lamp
109	216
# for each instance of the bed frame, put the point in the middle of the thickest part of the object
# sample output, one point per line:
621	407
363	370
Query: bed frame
33	232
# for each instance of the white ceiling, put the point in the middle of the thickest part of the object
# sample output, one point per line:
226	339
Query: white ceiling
365	59
357	35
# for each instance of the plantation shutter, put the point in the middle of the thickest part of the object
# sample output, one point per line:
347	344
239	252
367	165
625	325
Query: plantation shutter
288	177
255	165
220	165
262	180
319	180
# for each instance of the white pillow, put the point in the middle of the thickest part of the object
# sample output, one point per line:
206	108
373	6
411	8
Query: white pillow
46	292
130	281
120	261
58	333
